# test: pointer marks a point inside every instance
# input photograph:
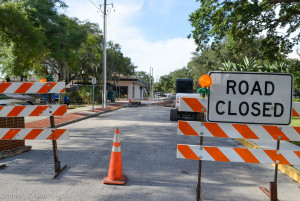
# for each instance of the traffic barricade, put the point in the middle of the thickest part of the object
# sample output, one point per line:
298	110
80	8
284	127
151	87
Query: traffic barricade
35	110
239	84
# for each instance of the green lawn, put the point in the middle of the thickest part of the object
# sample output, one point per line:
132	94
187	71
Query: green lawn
296	122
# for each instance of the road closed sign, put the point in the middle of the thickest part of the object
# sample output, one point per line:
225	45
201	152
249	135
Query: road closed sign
250	98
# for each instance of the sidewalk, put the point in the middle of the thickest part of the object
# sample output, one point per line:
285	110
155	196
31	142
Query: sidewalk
72	116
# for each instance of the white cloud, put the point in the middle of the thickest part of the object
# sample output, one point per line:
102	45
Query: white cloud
163	55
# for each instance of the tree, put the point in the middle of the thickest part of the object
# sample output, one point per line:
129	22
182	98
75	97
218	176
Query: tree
144	76
21	42
241	22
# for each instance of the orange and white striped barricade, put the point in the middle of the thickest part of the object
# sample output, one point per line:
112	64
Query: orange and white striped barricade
296	109
250	131
244	131
200	105
241	155
192	104
35	110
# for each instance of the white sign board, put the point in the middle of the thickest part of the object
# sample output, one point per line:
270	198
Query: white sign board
250	98
93	80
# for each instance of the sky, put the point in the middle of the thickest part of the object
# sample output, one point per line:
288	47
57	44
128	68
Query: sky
153	33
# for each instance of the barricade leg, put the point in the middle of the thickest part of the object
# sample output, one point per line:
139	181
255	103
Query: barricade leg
57	167
272	193
198	190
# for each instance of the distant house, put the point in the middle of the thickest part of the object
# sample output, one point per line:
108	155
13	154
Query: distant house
130	88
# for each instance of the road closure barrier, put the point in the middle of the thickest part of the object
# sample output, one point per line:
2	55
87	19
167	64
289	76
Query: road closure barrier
247	106
35	110
250	131
241	155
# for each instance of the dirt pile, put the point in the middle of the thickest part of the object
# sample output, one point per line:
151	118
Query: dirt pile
166	103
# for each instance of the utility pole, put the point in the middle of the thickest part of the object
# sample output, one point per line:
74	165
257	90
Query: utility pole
104	95
152	80
104	57
150	91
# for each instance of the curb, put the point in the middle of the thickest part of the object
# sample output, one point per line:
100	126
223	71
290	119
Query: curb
86	117
285	169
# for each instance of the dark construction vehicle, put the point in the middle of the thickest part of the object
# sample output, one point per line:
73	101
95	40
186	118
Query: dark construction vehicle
184	88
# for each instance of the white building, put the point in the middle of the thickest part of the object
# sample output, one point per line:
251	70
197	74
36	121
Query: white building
131	88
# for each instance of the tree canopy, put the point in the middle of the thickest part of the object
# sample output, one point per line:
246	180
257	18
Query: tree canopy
242	21
35	38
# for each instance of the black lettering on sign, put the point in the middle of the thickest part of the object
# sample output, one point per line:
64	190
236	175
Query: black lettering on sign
254	104
256	87
247	108
276	109
271	88
230	84
217	107
246	87
229	109
266	108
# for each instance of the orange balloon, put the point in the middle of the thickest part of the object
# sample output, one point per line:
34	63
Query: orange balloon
205	81
43	80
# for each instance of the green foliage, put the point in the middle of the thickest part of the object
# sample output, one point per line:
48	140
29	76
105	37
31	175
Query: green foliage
167	83
85	95
21	46
35	38
242	21
221	59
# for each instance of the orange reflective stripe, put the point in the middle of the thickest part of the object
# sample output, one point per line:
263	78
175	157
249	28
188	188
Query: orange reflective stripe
24	87
295	114
215	129
297	129
63	90
16	111
216	154
275	132
274	156
297	153
56	134
246	155
4	86
10	134
39	110
47	86
245	131
116	144
60	111
186	128
33	134
194	104
1	107
186	151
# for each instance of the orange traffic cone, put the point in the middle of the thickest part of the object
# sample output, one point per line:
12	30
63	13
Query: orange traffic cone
115	174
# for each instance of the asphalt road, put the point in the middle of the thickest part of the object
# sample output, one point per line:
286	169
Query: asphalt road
148	144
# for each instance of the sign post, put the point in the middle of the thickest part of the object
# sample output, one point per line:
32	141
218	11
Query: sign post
94	82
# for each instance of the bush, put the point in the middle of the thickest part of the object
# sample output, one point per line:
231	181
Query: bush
85	95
